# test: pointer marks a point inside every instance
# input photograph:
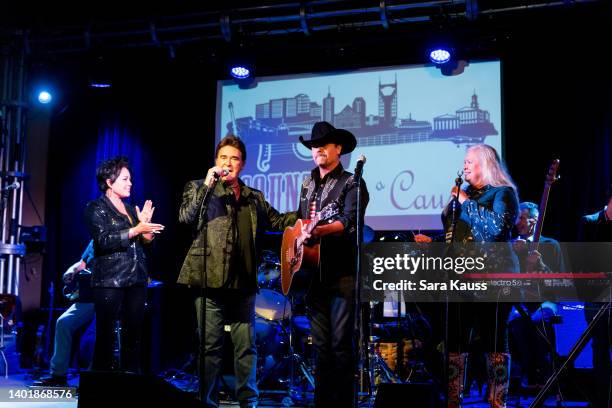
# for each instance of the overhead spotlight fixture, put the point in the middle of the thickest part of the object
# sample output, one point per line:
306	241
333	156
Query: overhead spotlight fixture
44	97
240	71
100	84
99	74
440	55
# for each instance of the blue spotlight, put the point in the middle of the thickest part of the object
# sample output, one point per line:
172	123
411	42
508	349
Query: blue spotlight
240	72
440	55
44	97
100	84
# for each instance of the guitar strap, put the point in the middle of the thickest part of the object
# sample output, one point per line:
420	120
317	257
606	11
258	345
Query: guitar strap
309	185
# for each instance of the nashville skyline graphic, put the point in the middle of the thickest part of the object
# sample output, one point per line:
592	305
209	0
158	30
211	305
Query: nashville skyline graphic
278	123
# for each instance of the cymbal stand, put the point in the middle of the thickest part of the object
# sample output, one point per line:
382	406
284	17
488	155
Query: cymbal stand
294	358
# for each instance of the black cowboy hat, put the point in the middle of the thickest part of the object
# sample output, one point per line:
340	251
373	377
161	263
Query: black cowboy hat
323	133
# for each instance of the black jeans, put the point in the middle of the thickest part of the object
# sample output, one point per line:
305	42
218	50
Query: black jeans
331	314
128	306
236	309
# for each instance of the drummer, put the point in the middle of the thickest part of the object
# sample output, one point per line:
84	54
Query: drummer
230	286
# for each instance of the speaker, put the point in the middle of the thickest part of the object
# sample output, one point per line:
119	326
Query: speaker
573	324
107	389
413	395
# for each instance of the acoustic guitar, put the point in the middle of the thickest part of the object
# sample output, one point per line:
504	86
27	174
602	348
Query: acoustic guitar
296	251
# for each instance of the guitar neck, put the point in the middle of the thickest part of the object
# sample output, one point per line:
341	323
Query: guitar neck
313	223
550	179
538	228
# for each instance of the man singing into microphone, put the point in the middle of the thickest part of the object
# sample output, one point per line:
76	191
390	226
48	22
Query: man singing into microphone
331	295
228	234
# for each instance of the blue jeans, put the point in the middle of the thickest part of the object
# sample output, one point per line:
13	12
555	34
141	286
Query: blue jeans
238	311
77	316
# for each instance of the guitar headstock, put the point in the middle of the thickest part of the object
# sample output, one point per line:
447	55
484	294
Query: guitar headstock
552	176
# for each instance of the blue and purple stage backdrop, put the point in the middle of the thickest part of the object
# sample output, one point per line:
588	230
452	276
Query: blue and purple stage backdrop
412	123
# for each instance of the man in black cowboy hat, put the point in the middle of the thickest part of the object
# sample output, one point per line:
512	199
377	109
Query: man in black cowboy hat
330	297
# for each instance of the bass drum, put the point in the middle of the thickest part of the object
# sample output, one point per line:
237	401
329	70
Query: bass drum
268	342
267	337
272	305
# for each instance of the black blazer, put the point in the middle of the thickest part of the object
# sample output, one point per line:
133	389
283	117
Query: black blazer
118	261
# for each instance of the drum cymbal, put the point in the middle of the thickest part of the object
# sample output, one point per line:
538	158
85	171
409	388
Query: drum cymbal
270	257
267	275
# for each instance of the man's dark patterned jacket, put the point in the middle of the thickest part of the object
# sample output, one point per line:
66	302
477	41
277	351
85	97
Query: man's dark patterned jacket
221	230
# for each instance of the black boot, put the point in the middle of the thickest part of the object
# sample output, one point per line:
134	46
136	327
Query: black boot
51	381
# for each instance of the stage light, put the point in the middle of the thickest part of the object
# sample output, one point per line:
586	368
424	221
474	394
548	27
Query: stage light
99	75
242	69
100	84
44	97
240	72
440	55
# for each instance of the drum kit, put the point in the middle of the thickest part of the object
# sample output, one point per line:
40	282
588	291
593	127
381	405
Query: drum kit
282	330
284	341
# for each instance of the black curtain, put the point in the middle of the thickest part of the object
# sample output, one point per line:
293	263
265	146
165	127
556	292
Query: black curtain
158	119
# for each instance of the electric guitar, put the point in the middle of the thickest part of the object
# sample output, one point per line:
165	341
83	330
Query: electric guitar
296	252
71	290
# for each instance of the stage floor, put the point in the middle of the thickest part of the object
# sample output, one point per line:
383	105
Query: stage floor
268	399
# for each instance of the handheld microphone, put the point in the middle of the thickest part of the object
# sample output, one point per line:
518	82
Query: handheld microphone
216	175
359	167
224	172
459	180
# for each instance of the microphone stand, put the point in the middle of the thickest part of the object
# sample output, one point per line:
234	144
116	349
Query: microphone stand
203	223
358	323
450	238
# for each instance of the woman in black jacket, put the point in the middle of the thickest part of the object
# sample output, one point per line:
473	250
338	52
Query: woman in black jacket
119	273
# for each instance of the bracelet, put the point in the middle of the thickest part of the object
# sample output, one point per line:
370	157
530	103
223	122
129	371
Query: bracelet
131	233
